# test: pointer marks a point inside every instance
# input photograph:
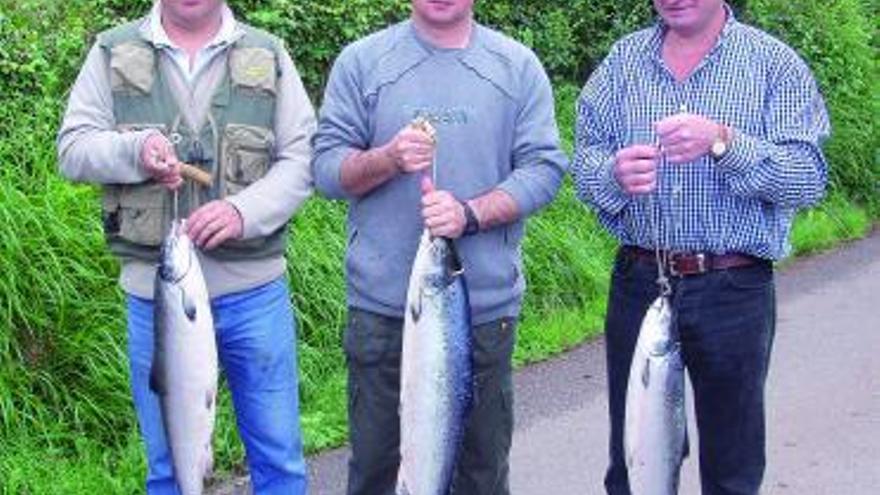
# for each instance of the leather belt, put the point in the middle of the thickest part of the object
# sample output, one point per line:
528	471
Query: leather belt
684	263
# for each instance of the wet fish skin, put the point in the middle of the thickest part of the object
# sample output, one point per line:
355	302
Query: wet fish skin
184	371
655	431
437	370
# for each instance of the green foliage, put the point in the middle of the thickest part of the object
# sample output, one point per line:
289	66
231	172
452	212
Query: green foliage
64	400
835	38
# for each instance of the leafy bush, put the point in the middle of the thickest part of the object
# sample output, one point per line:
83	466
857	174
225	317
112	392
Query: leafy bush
836	38
63	371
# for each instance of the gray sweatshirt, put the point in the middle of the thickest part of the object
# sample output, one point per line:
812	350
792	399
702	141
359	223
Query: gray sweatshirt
90	149
492	106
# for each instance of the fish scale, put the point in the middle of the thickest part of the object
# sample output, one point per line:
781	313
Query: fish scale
184	371
436	371
655	431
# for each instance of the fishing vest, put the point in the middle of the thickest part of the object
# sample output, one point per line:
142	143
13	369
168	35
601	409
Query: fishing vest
235	144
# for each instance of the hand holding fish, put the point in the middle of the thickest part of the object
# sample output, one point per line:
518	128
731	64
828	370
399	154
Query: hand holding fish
412	149
443	214
635	168
685	137
160	161
214	223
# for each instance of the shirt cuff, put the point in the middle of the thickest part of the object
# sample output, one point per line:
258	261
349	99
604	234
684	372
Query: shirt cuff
744	152
611	197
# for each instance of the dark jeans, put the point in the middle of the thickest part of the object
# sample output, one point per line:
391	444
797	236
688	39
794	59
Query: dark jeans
727	321
373	345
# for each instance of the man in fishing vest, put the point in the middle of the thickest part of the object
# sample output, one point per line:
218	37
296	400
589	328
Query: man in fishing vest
498	160
696	142
188	83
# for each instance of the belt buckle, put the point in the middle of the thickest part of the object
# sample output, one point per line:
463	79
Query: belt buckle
700	258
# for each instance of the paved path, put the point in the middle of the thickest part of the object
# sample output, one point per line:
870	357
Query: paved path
823	396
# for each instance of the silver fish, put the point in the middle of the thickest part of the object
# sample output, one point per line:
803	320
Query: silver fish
655	431
436	378
184	370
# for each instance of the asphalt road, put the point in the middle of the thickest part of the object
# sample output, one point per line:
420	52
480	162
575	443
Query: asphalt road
823	396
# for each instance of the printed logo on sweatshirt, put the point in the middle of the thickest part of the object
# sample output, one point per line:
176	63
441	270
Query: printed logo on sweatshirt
440	115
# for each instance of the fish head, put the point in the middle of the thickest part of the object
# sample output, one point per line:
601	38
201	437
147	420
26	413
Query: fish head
661	338
443	265
176	254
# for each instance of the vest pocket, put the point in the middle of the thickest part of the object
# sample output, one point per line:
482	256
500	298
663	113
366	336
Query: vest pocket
247	154
254	69
139	214
131	68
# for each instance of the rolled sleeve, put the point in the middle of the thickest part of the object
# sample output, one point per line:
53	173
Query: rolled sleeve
342	127
539	162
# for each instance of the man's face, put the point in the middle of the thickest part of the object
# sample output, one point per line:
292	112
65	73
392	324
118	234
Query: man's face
190	11
688	16
440	13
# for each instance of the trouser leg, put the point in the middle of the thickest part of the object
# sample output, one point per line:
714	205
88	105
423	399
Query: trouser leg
632	291
160	470
256	335
727	334
483	467
373	345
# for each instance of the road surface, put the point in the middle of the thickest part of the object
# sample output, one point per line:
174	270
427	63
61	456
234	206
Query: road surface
823	396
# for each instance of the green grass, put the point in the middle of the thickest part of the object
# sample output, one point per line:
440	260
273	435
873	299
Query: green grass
66	418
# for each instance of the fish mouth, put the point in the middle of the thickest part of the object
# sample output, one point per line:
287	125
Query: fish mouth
175	258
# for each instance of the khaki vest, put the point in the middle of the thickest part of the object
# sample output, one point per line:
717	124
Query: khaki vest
235	144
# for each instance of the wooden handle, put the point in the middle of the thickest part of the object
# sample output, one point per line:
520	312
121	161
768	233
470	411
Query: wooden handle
194	173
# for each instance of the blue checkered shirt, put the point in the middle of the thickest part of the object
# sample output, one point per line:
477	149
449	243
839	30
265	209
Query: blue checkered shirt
743	202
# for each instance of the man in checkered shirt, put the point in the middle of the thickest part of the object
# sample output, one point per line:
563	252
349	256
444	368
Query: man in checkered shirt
700	137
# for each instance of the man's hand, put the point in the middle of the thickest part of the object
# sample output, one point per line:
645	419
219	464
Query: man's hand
160	162
411	150
214	223
635	168
685	137
443	214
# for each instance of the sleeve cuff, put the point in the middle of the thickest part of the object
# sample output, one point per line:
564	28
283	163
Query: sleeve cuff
248	230
521	196
328	170
611	197
744	152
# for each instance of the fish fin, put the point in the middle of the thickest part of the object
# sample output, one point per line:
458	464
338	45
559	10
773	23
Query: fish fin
157	381
189	306
209	400
646	374
401	487
208	461
415	308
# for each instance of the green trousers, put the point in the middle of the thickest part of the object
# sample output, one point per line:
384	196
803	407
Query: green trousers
373	345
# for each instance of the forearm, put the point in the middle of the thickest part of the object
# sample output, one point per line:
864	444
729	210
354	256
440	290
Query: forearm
363	171
494	208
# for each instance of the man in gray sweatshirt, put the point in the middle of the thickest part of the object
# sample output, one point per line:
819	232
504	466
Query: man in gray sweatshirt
497	161
189	82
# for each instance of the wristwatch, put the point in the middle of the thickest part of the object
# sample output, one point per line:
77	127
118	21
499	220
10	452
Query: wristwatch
722	142
472	225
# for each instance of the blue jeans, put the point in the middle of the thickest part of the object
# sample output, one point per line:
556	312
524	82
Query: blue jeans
726	319
256	344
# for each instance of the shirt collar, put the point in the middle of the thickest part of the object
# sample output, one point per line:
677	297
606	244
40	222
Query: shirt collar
655	41
228	33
